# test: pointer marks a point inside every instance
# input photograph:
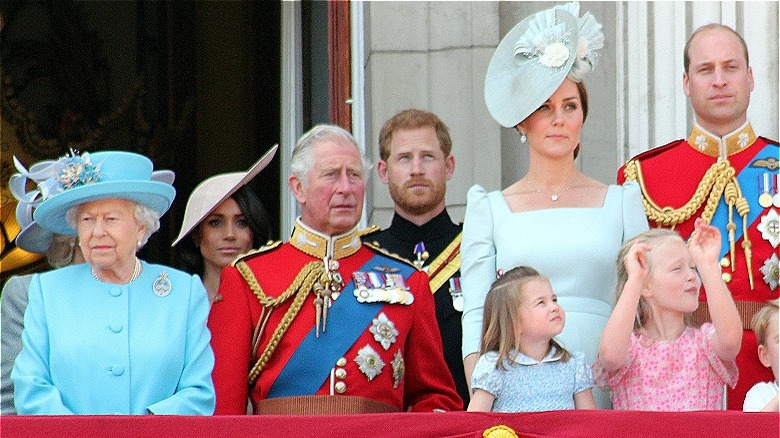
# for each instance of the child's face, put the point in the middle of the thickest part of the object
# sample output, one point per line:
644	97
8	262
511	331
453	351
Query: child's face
674	283
541	317
769	353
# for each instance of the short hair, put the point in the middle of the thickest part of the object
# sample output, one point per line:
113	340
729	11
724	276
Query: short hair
303	154
652	238
144	215
501	314
413	119
712	26
760	321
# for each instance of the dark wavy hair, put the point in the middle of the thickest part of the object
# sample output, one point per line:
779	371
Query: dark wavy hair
188	255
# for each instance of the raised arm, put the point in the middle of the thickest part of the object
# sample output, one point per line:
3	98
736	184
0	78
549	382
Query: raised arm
616	338
705	249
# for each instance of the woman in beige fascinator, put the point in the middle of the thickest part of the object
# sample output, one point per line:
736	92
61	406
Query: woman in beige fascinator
223	219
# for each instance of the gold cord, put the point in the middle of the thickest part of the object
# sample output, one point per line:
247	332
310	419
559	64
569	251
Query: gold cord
719	180
312	273
710	188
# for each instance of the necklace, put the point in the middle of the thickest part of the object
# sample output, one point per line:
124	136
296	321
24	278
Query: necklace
136	271
554	197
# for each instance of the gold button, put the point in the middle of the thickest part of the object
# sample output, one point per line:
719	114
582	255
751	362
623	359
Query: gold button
725	262
341	373
341	387
341	362
726	277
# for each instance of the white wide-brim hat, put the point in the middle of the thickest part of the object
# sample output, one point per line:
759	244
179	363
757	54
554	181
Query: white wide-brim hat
529	64
103	175
211	192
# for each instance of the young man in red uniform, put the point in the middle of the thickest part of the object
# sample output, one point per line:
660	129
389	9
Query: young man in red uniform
324	323
725	174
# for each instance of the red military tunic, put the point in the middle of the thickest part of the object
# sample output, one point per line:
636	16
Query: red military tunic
670	176
420	386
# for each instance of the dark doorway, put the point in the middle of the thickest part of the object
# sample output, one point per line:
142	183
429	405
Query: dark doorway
195	86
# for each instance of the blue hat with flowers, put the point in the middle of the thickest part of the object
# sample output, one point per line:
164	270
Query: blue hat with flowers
78	179
536	56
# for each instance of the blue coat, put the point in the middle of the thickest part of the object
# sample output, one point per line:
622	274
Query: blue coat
98	348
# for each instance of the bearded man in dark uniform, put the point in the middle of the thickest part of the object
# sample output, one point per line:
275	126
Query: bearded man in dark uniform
726	175
323	323
414	147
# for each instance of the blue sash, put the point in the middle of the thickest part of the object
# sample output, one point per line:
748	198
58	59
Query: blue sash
748	182
312	361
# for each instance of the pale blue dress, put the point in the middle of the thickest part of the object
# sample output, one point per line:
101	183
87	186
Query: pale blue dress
574	247
526	385
99	348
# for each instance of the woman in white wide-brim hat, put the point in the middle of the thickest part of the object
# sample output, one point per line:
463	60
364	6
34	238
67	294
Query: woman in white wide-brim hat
223	220
555	219
138	330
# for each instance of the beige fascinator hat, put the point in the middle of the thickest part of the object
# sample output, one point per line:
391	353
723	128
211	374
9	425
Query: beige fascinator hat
213	191
536	56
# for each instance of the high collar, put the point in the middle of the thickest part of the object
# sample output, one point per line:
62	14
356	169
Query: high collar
408	231
721	147
320	245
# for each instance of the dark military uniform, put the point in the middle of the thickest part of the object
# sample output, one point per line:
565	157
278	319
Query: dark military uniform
438	235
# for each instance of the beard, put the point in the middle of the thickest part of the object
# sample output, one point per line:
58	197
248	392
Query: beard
419	200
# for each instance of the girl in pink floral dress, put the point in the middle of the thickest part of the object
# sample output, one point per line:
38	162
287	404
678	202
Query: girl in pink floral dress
650	358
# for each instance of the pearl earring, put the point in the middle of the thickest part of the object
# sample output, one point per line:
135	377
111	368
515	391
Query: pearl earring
523	138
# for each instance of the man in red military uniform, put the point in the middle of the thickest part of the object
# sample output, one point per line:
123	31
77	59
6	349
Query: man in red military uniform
725	174
324	315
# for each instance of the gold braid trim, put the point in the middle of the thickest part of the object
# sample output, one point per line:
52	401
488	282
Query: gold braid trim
301	286
719	180
446	264
710	188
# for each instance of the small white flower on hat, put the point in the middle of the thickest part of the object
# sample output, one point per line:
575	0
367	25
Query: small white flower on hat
555	55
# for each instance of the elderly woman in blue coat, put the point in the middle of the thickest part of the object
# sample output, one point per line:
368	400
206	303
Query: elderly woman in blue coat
115	335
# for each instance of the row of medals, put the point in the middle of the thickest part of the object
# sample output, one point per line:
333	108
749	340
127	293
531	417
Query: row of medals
769	185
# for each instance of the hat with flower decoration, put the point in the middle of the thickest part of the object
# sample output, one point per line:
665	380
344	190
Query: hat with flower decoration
213	191
536	56
78	179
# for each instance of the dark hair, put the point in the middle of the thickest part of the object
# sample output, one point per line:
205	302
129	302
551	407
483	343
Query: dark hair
583	92
711	26
188	255
584	103
412	119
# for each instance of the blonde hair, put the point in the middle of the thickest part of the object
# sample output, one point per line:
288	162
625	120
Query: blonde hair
760	321
653	238
501	314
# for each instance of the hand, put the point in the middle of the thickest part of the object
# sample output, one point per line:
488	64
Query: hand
704	243
636	260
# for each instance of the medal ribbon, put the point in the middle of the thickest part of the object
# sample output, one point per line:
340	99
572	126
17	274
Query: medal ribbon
309	366
747	178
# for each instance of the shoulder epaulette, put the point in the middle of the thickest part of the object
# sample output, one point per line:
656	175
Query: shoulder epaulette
368	230
374	246
655	151
271	245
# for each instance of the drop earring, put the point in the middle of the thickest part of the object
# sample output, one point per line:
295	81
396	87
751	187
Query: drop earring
523	138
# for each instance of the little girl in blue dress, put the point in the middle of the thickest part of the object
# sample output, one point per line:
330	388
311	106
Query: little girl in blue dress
521	367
